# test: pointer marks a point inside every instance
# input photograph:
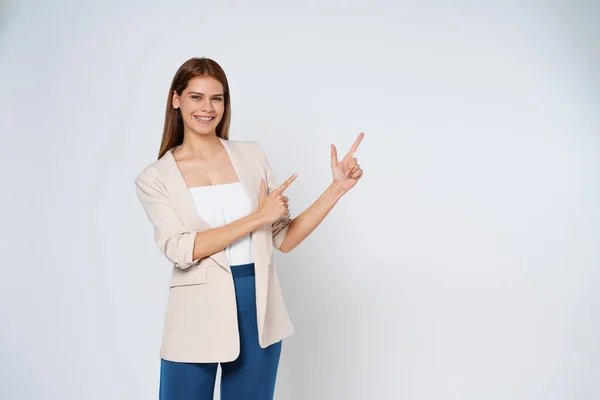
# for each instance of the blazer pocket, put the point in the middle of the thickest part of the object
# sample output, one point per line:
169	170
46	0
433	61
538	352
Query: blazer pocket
188	277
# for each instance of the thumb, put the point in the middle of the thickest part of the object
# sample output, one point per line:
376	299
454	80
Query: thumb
334	159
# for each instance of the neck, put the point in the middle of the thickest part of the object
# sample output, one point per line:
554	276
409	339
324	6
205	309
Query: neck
200	147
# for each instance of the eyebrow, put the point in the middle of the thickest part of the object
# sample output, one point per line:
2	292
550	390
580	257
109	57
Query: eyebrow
203	94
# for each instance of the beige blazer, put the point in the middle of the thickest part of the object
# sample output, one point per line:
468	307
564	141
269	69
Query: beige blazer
201	317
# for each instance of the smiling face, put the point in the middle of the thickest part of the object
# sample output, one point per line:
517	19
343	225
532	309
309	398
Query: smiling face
202	104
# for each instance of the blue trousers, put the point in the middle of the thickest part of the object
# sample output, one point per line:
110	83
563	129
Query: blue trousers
249	377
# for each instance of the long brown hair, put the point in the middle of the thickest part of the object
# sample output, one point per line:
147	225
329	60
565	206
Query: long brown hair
173	128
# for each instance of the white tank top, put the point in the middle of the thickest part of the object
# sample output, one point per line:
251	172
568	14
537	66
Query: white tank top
220	205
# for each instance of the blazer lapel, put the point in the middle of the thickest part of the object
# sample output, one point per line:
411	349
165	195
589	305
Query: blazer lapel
183	202
243	165
250	173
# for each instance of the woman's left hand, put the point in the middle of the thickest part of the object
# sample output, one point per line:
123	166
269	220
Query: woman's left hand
346	172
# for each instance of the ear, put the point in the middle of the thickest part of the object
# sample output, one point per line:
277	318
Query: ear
175	101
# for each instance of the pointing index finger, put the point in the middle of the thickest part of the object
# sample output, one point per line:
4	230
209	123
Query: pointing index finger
286	184
355	145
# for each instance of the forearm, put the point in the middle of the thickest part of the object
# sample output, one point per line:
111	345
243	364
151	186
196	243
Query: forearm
213	240
305	223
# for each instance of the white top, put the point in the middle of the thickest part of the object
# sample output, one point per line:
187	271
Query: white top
220	205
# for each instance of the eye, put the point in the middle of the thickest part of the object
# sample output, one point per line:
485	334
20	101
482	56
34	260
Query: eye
218	98
195	97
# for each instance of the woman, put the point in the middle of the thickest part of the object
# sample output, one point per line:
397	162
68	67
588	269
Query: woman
217	212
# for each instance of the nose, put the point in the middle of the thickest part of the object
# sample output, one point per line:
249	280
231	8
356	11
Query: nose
207	105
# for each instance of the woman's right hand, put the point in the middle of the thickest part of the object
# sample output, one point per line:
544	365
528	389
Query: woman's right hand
273	206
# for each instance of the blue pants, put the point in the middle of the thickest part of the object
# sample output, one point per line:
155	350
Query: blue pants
249	377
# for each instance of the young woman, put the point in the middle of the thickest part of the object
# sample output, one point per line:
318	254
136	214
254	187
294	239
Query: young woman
217	212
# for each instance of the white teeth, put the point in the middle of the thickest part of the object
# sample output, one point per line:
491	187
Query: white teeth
204	118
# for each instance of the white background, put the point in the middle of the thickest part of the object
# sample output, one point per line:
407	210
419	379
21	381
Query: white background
464	265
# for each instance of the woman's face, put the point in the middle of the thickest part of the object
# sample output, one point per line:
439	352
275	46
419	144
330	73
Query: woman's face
202	105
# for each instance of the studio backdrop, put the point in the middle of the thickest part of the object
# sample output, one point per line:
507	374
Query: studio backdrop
463	265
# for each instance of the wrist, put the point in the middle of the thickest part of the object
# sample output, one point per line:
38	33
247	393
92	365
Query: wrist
335	190
259	218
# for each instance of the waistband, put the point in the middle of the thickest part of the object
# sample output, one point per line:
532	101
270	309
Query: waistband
242	270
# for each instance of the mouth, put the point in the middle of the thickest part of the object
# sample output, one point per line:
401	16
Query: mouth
204	119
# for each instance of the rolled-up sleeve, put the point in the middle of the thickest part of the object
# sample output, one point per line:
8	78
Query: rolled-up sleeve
173	238
279	227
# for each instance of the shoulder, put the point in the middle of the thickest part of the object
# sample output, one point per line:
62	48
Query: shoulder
245	144
151	174
249	145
